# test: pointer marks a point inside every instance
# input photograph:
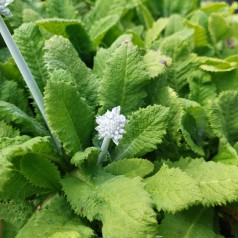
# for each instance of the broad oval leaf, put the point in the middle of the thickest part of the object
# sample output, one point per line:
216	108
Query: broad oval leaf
196	222
130	167
70	117
223	114
124	80
58	58
144	132
51	222
74	30
30	41
19	119
172	190
40	171
218	183
121	203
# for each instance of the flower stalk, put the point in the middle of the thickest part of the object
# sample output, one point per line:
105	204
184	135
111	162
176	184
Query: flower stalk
104	149
22	65
110	126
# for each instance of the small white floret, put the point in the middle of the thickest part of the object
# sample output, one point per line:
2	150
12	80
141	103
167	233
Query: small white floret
4	11
111	125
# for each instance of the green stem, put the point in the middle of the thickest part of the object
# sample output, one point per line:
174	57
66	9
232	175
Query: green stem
104	148
25	71
22	66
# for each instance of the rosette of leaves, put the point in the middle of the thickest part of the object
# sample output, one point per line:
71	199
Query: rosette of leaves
172	68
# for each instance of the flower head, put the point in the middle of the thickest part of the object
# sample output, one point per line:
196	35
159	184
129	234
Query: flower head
4	11
111	124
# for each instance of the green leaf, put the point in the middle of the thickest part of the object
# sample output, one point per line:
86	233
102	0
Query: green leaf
167	97
30	42
196	222
130	167
182	7
100	60
144	132
114	201
200	35
104	8
144	14
15	213
223	115
12	93
104	16
61	9
56	57
40	171
226	81
216	65
7	141
127	69
90	155
218	27
191	132
202	89
217	182
30	15
211	7
19	119
24	145
9	70
101	27
156	63
14	185
179	47
154	32
195	121
226	154
175	24
51	222
7	131
172	190
70	117
74	30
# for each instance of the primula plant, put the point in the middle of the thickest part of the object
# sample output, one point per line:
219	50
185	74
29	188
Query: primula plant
126	122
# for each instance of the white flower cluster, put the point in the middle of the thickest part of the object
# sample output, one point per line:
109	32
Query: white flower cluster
4	11
111	124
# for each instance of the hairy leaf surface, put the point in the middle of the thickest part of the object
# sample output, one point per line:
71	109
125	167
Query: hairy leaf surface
51	222
19	119
223	115
74	30
12	93
100	28
202	89
30	41
154	32
114	201
61	9
144	132
218	183
124	80
130	167
196	222
7	131
16	214
57	58
156	63
40	171
70	117
172	190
